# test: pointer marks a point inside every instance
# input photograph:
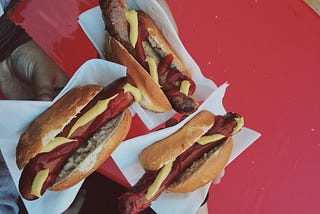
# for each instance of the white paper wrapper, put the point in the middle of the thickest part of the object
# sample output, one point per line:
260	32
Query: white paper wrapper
18	115
92	24
177	203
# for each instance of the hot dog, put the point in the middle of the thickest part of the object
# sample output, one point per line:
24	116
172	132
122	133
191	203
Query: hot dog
153	66
186	160
70	140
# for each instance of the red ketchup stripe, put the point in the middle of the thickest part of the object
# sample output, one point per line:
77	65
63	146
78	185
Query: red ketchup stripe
142	36
164	64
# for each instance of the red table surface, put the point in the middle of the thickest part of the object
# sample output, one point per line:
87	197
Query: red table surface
269	52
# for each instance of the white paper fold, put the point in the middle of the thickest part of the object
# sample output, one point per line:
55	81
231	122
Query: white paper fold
92	24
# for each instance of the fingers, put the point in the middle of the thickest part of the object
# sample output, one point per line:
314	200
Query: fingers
217	180
48	83
11	86
34	67
23	59
44	97
43	82
48	89
48	78
61	80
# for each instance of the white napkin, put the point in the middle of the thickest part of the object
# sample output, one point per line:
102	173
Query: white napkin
92	24
15	116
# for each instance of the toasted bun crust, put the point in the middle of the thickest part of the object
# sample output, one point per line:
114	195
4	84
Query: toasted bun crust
157	36
166	150
153	98
98	156
206	172
52	121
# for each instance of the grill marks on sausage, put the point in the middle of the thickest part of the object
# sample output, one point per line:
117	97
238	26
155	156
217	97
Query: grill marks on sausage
113	14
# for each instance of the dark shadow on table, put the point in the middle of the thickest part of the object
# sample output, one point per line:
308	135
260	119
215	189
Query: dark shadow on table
102	194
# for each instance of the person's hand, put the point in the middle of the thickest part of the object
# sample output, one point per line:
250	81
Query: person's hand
217	180
30	74
204	208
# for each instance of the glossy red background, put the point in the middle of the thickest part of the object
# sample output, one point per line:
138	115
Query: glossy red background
269	52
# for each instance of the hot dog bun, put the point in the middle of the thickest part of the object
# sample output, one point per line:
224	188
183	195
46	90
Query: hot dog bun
204	170
52	121
104	142
156	155
161	42
152	97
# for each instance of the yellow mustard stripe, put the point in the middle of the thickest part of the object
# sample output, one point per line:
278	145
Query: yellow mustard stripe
132	18
38	182
162	175
95	111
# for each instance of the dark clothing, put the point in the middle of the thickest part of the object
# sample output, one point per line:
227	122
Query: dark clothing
102	196
11	37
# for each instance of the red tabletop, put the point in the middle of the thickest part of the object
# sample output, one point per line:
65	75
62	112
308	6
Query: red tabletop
269	52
